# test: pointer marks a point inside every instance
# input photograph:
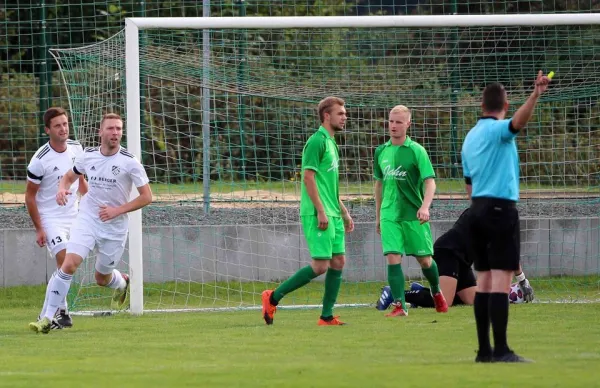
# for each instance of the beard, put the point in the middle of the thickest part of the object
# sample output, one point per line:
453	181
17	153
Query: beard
337	128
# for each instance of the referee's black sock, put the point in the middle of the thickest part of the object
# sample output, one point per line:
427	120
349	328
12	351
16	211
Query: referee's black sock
481	307
499	319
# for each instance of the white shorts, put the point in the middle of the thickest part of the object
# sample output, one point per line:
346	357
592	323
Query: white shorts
87	234
57	235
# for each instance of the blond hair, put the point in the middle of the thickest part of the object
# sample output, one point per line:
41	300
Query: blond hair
401	109
326	104
110	116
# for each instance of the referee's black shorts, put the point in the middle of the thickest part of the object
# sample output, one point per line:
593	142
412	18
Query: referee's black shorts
494	238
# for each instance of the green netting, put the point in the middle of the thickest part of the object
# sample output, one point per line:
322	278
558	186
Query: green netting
263	86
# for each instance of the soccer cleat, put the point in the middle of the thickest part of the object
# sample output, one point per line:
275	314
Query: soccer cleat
43	325
398	311
510	356
120	295
416	286
63	318
332	321
483	357
386	298
268	309
440	303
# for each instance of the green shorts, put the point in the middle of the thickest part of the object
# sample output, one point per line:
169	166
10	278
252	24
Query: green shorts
408	238
323	244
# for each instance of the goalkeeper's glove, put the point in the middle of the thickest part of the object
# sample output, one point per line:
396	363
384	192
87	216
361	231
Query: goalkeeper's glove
525	288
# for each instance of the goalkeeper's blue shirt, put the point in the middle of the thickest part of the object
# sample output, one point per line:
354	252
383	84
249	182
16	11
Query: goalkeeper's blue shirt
490	160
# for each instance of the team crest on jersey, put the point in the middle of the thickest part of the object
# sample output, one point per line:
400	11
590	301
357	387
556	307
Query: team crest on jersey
116	170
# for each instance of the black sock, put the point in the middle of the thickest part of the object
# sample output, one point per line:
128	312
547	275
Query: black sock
481	307
499	318
420	298
273	301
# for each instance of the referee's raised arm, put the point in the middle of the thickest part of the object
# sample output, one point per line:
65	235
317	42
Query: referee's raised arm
524	113
491	170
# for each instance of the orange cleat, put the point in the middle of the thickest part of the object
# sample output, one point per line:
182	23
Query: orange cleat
440	303
398	311
332	322
268	309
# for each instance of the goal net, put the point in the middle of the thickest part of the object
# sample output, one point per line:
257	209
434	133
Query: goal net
223	110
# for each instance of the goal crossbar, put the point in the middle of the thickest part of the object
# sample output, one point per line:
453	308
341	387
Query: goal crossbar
365	21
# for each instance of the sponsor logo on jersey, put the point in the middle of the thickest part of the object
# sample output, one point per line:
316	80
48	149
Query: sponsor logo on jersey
55	169
397	173
93	168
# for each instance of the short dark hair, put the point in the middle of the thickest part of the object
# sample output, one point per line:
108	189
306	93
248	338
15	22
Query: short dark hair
494	97
109	116
52	113
326	104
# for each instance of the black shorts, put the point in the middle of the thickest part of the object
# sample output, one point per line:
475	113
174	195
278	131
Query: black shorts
449	264
494	234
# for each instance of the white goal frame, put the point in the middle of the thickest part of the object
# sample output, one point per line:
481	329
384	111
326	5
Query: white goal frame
132	71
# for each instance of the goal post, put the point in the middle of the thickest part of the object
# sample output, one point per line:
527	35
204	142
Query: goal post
198	94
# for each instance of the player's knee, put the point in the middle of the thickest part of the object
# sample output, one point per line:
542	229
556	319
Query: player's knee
70	264
425	261
320	266
338	262
60	257
394	258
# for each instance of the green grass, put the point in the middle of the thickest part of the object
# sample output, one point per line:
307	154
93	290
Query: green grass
236	349
293	187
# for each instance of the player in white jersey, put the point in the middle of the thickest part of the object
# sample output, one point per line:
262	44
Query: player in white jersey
102	220
46	168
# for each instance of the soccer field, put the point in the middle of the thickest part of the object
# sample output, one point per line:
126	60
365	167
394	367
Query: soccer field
231	349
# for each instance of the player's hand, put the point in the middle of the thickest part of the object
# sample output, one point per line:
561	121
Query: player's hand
348	223
62	197
378	226
323	221
40	238
541	83
423	214
108	213
526	290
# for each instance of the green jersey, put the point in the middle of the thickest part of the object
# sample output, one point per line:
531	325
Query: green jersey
321	154
402	168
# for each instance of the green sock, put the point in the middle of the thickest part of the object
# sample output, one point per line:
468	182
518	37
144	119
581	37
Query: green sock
301	278
433	277
396	282
333	281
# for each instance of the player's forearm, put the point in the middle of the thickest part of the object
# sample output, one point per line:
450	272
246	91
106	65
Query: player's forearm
378	193
313	192
67	180
139	202
343	208
469	189
524	113
33	211
429	192
83	186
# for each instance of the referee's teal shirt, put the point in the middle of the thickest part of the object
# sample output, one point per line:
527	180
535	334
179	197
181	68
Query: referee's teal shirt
490	160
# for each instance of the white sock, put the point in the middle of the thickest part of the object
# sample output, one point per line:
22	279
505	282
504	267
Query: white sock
45	306
63	304
57	290
117	281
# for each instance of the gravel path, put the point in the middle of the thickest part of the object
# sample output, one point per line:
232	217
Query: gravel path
267	213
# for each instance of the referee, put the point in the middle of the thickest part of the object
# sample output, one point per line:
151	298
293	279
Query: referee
491	170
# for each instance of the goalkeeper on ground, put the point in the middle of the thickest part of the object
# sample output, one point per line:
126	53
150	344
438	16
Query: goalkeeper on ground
457	280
